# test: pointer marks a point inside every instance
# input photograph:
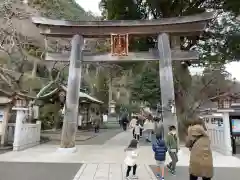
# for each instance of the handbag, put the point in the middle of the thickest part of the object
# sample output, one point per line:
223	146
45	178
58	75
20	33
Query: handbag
195	140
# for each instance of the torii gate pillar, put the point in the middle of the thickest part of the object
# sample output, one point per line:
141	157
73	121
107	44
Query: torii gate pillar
166	82
72	97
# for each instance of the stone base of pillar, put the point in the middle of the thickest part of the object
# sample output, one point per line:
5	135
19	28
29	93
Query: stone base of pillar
228	153
67	150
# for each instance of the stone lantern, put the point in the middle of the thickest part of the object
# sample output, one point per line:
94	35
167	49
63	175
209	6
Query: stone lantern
62	95
112	107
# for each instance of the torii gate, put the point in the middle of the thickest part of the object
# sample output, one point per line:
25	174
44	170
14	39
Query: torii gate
120	31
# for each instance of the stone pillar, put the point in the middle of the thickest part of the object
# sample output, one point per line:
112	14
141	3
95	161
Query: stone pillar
5	125
227	135
166	82
18	127
72	97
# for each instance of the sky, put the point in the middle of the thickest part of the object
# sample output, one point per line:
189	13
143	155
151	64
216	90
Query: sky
93	6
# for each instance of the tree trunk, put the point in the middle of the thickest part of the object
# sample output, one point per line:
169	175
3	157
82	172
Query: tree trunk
56	115
183	97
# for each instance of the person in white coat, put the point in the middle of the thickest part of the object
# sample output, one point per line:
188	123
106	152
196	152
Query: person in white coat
137	131
148	129
131	159
132	124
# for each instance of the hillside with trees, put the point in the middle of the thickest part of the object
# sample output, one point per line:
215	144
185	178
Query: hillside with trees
22	48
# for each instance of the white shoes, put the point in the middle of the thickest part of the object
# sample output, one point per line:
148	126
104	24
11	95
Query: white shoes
133	177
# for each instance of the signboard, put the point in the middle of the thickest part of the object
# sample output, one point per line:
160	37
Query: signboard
1	115
236	127
105	118
119	44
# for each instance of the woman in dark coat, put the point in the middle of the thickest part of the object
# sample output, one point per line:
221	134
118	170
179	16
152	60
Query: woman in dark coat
124	121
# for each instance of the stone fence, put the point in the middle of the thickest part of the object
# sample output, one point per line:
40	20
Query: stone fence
219	132
28	137
21	134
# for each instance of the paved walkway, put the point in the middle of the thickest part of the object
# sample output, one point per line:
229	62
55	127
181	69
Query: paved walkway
106	171
105	161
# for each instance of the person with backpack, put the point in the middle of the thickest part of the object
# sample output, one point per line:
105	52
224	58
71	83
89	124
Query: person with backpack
158	127
172	146
201	160
160	149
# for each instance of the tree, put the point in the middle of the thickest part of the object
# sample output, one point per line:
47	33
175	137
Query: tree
220	43
146	86
22	50
140	9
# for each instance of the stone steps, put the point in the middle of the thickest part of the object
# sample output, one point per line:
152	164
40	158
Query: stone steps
112	123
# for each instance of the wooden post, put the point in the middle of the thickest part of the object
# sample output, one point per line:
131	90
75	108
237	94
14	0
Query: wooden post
110	92
72	97
166	82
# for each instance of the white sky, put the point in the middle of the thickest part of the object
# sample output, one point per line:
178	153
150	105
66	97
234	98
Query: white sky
90	5
93	6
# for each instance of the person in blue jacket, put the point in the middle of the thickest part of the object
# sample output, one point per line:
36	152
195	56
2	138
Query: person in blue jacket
160	149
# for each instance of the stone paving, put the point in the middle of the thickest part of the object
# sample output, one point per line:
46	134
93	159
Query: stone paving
106	171
103	160
86	137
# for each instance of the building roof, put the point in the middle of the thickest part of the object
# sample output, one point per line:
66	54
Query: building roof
90	29
84	95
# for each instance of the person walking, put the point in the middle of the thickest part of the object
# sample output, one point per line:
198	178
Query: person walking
131	159
160	149
148	128
132	125
137	131
201	160
158	127
124	121
96	122
172	146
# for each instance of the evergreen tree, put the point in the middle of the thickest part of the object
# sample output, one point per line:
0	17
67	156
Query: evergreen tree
146	86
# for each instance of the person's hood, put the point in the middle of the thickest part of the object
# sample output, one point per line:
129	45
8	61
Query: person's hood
172	132
160	142
197	130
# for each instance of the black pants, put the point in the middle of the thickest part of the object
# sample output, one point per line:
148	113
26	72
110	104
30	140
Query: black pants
96	129
137	136
133	132
124	126
192	177
141	132
129	169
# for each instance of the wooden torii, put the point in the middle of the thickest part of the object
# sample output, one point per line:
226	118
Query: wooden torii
168	32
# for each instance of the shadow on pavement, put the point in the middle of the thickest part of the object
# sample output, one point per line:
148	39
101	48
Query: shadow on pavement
38	171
